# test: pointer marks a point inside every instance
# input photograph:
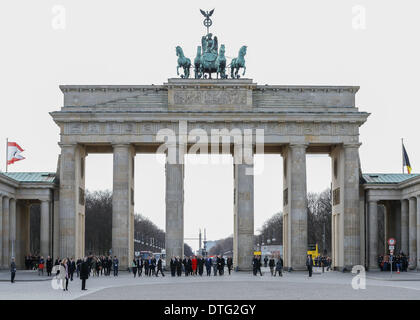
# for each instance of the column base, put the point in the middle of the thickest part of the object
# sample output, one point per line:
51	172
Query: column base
373	269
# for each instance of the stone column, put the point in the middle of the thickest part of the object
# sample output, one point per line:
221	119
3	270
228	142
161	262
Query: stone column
295	206
12	227
412	232
351	241
56	225
174	236
404	226
6	234
45	232
244	216
418	232
72	199
123	204
1	230
373	235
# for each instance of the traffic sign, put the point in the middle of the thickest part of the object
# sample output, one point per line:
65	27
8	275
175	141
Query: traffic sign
391	241
391	248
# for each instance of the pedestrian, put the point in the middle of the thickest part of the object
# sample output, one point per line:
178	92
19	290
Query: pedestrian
78	263
220	265
41	266
116	264
140	266
279	267
72	268
49	265
189	265
65	265
271	264
134	267
265	261
178	266
208	264
309	264
146	267
12	270
229	263
256	264
84	272
172	266
214	262
159	267
200	265
152	266
194	265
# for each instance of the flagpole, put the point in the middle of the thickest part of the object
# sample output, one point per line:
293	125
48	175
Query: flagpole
7	150
402	152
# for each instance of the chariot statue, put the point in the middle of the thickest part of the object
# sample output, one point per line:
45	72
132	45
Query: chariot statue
209	58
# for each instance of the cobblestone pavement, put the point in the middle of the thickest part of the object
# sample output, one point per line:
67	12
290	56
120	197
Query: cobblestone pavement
243	286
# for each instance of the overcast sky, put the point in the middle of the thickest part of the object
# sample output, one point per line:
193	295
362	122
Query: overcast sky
371	44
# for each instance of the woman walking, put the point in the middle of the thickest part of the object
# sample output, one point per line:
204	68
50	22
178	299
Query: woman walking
66	274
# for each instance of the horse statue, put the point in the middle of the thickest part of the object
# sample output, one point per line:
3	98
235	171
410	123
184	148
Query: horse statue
221	63
197	64
238	63
183	62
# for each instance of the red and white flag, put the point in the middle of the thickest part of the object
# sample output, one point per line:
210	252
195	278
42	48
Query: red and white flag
13	152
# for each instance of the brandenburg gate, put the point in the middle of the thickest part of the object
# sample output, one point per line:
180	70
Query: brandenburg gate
295	121
241	118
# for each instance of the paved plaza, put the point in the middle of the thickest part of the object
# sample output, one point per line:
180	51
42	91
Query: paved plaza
241	285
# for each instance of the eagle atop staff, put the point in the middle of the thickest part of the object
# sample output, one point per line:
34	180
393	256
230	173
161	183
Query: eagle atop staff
207	14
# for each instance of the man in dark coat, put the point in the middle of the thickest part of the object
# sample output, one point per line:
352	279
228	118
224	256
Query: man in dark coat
200	264
271	264
185	263
49	264
12	270
309	264
153	265
84	272
172	266
229	263
72	268
159	267
146	267
178	264
208	266
279	267
256	265
189	265
220	265
115	264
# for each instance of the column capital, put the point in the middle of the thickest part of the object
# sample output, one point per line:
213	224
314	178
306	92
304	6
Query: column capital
67	145
352	145
373	201
299	145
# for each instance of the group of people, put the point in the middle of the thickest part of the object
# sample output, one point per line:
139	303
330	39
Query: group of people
275	266
151	266
194	265
190	265
398	263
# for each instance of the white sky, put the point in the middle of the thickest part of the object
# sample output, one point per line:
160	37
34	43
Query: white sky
133	42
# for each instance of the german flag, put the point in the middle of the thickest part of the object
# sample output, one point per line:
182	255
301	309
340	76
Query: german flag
406	161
